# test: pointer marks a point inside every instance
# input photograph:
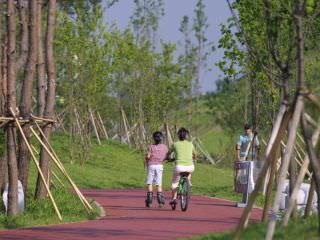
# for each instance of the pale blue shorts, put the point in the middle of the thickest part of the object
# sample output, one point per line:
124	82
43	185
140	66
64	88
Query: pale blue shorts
154	174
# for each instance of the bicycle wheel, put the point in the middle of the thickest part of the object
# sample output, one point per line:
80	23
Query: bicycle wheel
184	194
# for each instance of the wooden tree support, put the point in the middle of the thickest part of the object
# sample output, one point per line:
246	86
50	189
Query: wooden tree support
60	166
278	132
300	178
38	167
53	173
94	126
103	127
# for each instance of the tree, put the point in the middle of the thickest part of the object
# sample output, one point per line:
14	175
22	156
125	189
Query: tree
200	27
188	63
26	95
145	19
50	98
41	91
11	104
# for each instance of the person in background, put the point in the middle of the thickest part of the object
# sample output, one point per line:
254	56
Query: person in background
244	151
157	153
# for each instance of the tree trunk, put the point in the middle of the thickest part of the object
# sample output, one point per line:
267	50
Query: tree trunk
26	96
3	85
50	98
40	64
24	35
11	101
3	94
293	178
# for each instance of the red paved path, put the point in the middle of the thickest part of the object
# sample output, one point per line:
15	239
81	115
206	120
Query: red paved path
127	218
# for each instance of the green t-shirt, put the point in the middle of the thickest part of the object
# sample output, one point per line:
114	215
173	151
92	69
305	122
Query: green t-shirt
183	152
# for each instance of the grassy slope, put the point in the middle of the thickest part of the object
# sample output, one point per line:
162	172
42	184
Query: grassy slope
212	136
116	166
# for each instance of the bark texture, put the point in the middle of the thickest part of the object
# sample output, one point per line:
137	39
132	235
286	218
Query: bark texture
11	101
26	96
50	98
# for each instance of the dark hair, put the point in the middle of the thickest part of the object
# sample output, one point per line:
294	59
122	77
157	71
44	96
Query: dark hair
182	134
247	126
157	137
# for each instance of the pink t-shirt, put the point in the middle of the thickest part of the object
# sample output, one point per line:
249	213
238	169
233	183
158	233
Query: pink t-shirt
157	153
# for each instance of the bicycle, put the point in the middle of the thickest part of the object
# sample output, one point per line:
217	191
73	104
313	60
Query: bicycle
183	192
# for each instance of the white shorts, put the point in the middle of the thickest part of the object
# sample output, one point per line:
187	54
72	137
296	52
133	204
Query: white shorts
176	174
154	174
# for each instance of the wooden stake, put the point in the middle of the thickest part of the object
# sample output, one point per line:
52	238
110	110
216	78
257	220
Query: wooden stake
94	127
268	197
298	107
53	173
308	209
315	165
125	126
38	167
277	133
60	166
103	127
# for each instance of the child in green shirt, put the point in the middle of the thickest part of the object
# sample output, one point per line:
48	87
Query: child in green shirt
184	155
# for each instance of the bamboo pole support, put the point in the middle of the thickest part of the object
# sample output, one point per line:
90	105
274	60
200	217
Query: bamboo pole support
103	127
38	167
125	126
94	127
298	159
60	166
56	162
53	173
43	119
314	161
313	99
308	209
268	195
278	131
99	126
298	108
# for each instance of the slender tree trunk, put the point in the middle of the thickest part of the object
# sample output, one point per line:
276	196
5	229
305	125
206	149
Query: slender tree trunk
40	63
197	89
26	96
50	98
3	97
3	54
293	178
24	35
4	67
11	100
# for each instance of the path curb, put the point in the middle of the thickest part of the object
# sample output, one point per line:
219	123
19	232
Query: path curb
102	212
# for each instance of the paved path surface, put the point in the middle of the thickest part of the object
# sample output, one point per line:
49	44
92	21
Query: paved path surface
127	218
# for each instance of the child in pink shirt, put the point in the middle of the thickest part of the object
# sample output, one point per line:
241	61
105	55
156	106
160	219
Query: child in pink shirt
157	153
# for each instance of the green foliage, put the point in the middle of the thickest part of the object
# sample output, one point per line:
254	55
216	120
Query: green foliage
145	19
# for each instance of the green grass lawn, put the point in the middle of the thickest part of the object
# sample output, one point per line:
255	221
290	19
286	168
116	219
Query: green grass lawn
298	229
